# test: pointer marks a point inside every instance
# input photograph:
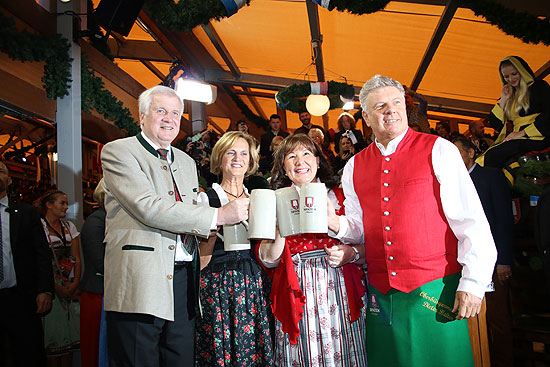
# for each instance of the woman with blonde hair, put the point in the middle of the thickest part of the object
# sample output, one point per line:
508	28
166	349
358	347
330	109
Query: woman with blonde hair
522	115
61	325
234	329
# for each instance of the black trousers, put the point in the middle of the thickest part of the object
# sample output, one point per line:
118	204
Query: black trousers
21	327
499	156
145	340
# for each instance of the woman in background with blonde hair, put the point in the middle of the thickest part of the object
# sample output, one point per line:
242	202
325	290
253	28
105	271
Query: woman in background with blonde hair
522	115
61	325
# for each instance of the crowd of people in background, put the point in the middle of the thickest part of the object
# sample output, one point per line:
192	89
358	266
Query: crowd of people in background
134	302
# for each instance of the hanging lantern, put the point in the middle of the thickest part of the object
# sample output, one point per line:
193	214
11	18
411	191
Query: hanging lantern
317	104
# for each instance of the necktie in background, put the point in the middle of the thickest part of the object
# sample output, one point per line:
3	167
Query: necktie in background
187	239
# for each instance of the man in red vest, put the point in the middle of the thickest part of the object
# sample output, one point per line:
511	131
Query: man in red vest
428	246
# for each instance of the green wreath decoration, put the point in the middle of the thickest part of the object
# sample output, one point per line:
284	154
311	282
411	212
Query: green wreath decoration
292	98
524	183
54	51
185	15
528	28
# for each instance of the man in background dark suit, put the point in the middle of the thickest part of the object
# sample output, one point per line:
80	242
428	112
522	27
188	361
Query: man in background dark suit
495	197
26	278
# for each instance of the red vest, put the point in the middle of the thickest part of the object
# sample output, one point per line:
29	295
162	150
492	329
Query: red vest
408	241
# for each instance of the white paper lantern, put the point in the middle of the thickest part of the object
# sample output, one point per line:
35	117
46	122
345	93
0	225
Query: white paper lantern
317	104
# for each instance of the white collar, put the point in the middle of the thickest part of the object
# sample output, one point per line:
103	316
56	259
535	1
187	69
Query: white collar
392	145
156	147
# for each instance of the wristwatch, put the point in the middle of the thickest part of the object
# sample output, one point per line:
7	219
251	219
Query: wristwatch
356	257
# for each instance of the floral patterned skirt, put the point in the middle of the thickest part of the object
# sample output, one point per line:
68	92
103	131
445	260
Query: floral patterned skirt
236	316
327	337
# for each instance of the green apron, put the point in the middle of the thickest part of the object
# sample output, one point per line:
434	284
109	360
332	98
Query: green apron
417	328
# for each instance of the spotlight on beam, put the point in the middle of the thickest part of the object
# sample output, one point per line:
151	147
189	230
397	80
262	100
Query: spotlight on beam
194	90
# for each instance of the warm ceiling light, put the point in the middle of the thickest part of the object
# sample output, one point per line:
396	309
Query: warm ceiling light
317	104
194	90
65	1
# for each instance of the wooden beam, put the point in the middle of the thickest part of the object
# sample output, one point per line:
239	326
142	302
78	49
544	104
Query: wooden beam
33	15
19	138
249	92
149	65
112	72
438	34
97	129
282	115
316	39
138	50
26	96
216	126
543	71
216	40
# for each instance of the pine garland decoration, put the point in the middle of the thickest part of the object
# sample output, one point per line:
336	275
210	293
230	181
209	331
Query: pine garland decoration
292	98
54	51
184	15
358	7
524	183
95	96
525	26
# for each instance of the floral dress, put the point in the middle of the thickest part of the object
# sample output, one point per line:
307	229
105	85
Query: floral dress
332	329
62	324
234	329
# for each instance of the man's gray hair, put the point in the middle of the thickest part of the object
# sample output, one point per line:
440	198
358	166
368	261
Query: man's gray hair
146	97
377	81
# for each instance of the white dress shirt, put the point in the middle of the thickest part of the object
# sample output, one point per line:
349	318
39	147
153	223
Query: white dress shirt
181	252
461	206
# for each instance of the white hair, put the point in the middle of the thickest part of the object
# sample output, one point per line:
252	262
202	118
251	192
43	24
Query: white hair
146	97
377	81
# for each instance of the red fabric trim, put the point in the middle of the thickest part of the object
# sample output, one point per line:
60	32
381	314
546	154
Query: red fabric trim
287	299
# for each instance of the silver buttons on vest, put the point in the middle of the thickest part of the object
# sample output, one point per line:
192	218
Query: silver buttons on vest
387	159
386	213
390	258
389	243
387	228
386	184
386	171
393	273
386	199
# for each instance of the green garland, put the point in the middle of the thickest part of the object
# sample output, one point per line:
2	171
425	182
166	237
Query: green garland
95	96
524	183
527	27
185	15
292	98
54	51
358	7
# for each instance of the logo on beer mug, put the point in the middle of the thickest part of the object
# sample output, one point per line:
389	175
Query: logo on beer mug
309	201
295	204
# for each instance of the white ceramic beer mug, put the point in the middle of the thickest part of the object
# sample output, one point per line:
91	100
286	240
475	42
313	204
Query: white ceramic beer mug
313	208
262	214
288	211
235	237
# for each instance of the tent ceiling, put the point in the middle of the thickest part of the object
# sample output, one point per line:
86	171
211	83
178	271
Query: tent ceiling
267	45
